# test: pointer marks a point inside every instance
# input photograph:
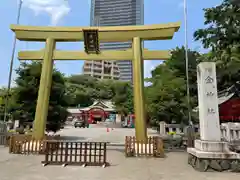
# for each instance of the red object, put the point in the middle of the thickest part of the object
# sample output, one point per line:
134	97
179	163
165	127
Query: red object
131	119
230	110
132	115
96	112
91	113
89	120
107	129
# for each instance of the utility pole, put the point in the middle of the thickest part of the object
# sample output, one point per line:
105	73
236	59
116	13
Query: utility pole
11	64
186	57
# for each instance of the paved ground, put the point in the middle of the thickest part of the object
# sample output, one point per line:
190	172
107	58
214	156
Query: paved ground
173	167
97	133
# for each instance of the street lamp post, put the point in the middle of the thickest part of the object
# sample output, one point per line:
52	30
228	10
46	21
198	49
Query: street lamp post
11	64
186	57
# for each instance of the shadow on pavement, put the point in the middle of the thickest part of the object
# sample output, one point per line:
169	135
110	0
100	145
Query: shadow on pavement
121	150
73	138
116	147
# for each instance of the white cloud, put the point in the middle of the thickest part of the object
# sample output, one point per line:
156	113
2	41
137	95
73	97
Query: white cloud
57	9
148	67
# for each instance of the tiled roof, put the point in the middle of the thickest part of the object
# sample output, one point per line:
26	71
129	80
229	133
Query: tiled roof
107	105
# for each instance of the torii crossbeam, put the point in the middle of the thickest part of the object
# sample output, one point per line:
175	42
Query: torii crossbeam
51	35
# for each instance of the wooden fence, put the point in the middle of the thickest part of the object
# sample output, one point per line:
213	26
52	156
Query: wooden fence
76	153
152	147
25	144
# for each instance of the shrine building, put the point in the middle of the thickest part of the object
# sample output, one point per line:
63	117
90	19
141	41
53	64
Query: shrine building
229	104
99	111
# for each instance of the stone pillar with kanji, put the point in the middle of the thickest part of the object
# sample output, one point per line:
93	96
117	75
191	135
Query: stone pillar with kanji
208	102
209	152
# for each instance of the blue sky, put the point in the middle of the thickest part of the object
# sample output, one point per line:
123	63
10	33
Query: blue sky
77	13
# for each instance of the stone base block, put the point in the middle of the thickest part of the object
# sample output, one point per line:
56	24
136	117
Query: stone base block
213	155
211	164
211	146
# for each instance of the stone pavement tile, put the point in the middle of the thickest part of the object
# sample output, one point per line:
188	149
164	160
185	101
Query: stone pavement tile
174	167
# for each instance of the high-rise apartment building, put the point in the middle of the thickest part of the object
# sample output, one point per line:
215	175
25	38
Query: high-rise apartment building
101	69
118	13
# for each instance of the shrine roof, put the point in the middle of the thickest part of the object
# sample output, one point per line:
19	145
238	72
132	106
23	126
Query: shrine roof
225	95
104	104
73	110
224	98
228	93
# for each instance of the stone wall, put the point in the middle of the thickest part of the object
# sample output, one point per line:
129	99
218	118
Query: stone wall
177	128
229	131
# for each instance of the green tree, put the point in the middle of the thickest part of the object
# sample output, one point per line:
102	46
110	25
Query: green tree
11	102
26	92
83	90
166	97
123	97
223	27
222	35
177	63
228	66
2	103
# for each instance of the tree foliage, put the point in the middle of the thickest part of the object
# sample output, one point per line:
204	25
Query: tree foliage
166	97
167	94
177	63
222	27
73	91
123	97
11	102
85	89
26	92
222	35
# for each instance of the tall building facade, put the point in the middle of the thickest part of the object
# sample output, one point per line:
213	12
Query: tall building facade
101	69
118	13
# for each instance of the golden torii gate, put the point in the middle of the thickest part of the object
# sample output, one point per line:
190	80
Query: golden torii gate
91	37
